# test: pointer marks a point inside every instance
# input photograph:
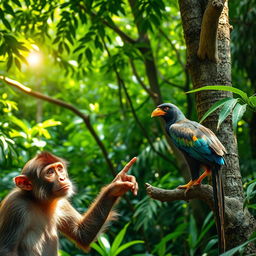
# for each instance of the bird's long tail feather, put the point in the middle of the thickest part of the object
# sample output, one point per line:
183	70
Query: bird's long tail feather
219	206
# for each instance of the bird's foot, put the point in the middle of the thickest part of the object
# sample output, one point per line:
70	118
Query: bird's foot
188	186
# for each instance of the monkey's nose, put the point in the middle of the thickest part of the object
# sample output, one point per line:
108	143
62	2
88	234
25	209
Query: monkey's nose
61	178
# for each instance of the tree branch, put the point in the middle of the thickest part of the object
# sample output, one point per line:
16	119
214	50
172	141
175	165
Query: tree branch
66	105
165	80
202	192
208	45
144	86
174	48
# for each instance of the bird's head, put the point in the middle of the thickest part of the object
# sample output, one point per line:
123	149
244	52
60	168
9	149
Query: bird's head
170	113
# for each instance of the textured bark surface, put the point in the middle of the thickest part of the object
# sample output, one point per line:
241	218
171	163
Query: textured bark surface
204	73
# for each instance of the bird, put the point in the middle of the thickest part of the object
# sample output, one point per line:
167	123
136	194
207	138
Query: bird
202	151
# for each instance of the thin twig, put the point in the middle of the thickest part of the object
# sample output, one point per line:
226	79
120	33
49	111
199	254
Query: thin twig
144	86
173	47
165	80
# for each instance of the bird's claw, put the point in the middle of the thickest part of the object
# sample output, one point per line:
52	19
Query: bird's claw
189	185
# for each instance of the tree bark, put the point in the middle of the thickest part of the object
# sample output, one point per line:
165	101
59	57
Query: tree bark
206	72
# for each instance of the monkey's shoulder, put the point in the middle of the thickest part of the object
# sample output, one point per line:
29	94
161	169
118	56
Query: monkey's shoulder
16	201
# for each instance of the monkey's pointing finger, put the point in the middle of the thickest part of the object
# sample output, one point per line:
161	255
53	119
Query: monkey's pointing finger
129	165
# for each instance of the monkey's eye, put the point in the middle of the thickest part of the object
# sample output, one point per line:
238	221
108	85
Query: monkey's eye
166	109
50	171
60	168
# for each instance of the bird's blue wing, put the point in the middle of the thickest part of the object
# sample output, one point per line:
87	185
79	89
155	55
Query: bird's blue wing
197	141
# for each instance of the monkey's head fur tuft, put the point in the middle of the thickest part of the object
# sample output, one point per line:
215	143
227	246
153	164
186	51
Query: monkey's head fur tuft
37	164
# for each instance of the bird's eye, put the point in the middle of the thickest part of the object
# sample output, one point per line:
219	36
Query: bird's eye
166	109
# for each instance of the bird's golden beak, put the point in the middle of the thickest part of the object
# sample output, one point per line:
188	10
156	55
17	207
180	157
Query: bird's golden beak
158	112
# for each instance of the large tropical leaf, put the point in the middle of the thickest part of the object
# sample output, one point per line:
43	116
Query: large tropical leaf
222	88
214	107
226	110
238	112
119	238
127	245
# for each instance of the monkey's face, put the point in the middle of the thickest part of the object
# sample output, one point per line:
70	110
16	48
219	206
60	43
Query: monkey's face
56	176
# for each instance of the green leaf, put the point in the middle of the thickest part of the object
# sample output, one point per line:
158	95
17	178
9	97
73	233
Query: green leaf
20	124
9	61
193	233
17	63
56	40
64	5
252	100
98	249
80	47
88	54
97	43
119	238
223	88
250	190
208	223
125	246
169	237
45	133
6	23
225	111
50	123
8	8
214	107
5	145
22	47
27	3
3	49
104	243
210	244
238	114
17	2
238	248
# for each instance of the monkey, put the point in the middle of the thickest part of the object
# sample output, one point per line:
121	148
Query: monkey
33	213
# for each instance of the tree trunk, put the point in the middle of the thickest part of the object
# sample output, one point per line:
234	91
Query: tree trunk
252	122
206	72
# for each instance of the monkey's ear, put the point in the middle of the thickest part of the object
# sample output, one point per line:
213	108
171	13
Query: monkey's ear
23	182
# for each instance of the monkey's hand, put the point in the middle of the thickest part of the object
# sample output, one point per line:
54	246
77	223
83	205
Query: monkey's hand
124	182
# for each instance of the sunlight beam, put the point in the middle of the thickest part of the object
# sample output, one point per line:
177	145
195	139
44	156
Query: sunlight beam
34	58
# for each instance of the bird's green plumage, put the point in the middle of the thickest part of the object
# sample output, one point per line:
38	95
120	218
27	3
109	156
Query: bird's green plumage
206	148
188	136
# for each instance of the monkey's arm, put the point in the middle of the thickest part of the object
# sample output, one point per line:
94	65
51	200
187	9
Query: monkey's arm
83	229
